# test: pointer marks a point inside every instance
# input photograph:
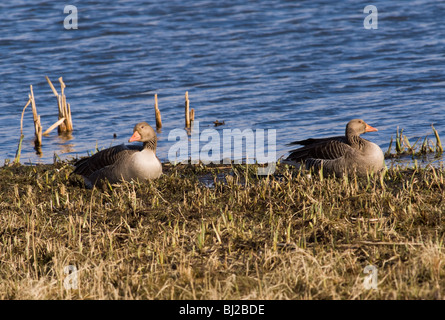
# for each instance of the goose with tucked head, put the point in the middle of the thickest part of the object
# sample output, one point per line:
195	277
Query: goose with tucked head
123	162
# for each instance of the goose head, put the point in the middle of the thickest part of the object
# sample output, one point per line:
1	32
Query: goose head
143	132
356	127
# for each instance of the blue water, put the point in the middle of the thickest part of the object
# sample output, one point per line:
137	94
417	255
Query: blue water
304	68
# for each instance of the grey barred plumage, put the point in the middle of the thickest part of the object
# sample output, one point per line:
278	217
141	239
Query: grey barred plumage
341	154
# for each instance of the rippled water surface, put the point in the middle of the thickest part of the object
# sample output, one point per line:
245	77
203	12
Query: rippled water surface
303	68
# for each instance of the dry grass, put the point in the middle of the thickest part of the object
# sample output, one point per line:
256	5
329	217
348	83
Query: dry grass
285	237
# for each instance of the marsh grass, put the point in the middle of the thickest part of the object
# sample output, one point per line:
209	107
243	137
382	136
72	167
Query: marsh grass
403	146
294	235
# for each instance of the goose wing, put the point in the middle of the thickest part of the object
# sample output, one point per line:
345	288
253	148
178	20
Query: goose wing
324	149
104	158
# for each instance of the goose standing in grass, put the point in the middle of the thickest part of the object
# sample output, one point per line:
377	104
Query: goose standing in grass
123	162
343	154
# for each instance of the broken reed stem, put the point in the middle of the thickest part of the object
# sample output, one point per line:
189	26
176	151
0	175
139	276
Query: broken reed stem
52	87
23	112
70	120
62	127
62	85
19	148
388	152
192	115
54	126
187	112
64	107
37	125
33	104
64	117
399	142
439	148
66	112
157	114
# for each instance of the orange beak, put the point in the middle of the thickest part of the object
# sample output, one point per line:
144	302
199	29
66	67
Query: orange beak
370	129
135	137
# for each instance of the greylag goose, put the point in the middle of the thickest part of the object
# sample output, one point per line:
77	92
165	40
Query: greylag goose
342	154
123	162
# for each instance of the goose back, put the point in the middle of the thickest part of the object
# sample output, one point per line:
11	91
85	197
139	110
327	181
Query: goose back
104	158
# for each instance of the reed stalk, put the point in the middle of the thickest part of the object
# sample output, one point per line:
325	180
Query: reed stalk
37	125
439	148
399	142
424	147
192	115
66	111
157	114
55	125
388	152
19	148
187	112
62	127
64	108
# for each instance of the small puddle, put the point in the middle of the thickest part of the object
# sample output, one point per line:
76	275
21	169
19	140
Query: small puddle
209	180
